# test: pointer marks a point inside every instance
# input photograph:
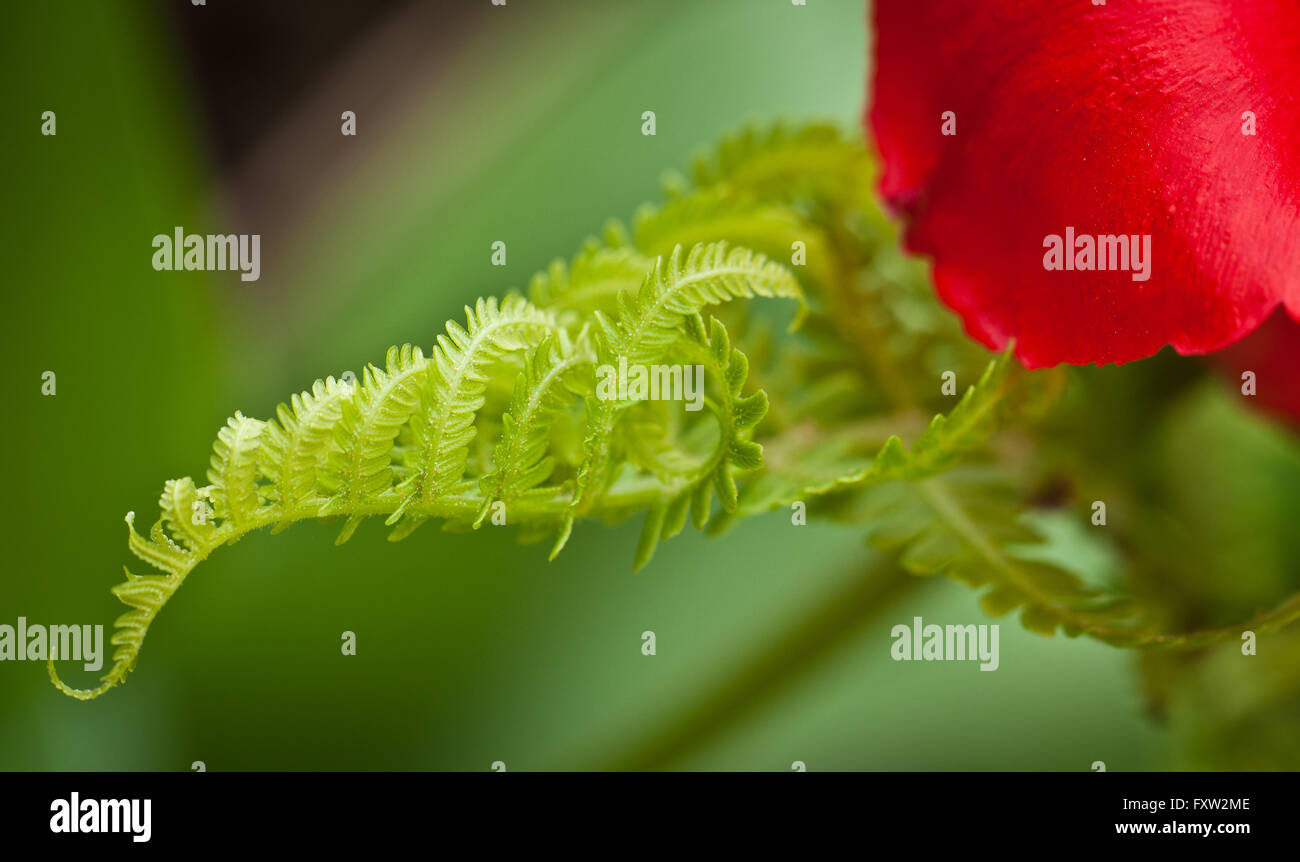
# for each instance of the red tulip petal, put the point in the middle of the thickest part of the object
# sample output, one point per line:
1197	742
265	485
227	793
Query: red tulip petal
1118	119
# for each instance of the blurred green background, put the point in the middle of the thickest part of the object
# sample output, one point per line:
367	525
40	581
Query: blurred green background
519	123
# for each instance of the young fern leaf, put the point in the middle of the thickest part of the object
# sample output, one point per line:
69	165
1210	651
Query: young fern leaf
360	465
711	214
593	281
295	446
948	439
234	470
542	390
649	324
707	274
144	595
966	428
814	161
421	438
443	427
736	417
234	476
185	515
330	451
966	525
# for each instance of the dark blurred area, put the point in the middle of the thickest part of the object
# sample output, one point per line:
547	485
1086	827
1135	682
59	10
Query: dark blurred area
249	61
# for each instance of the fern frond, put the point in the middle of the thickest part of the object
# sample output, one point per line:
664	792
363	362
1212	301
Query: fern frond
233	473
721	214
145	595
966	428
681	285
185	515
593	281
967	525
360	465
547	385
822	462
444	425
736	417
779	162
649	324
295	446
797	464
507	408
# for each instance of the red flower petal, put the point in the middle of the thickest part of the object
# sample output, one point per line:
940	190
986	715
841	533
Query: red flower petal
1272	353
1123	119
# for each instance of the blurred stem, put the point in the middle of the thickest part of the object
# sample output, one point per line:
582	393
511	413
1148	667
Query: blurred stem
783	661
